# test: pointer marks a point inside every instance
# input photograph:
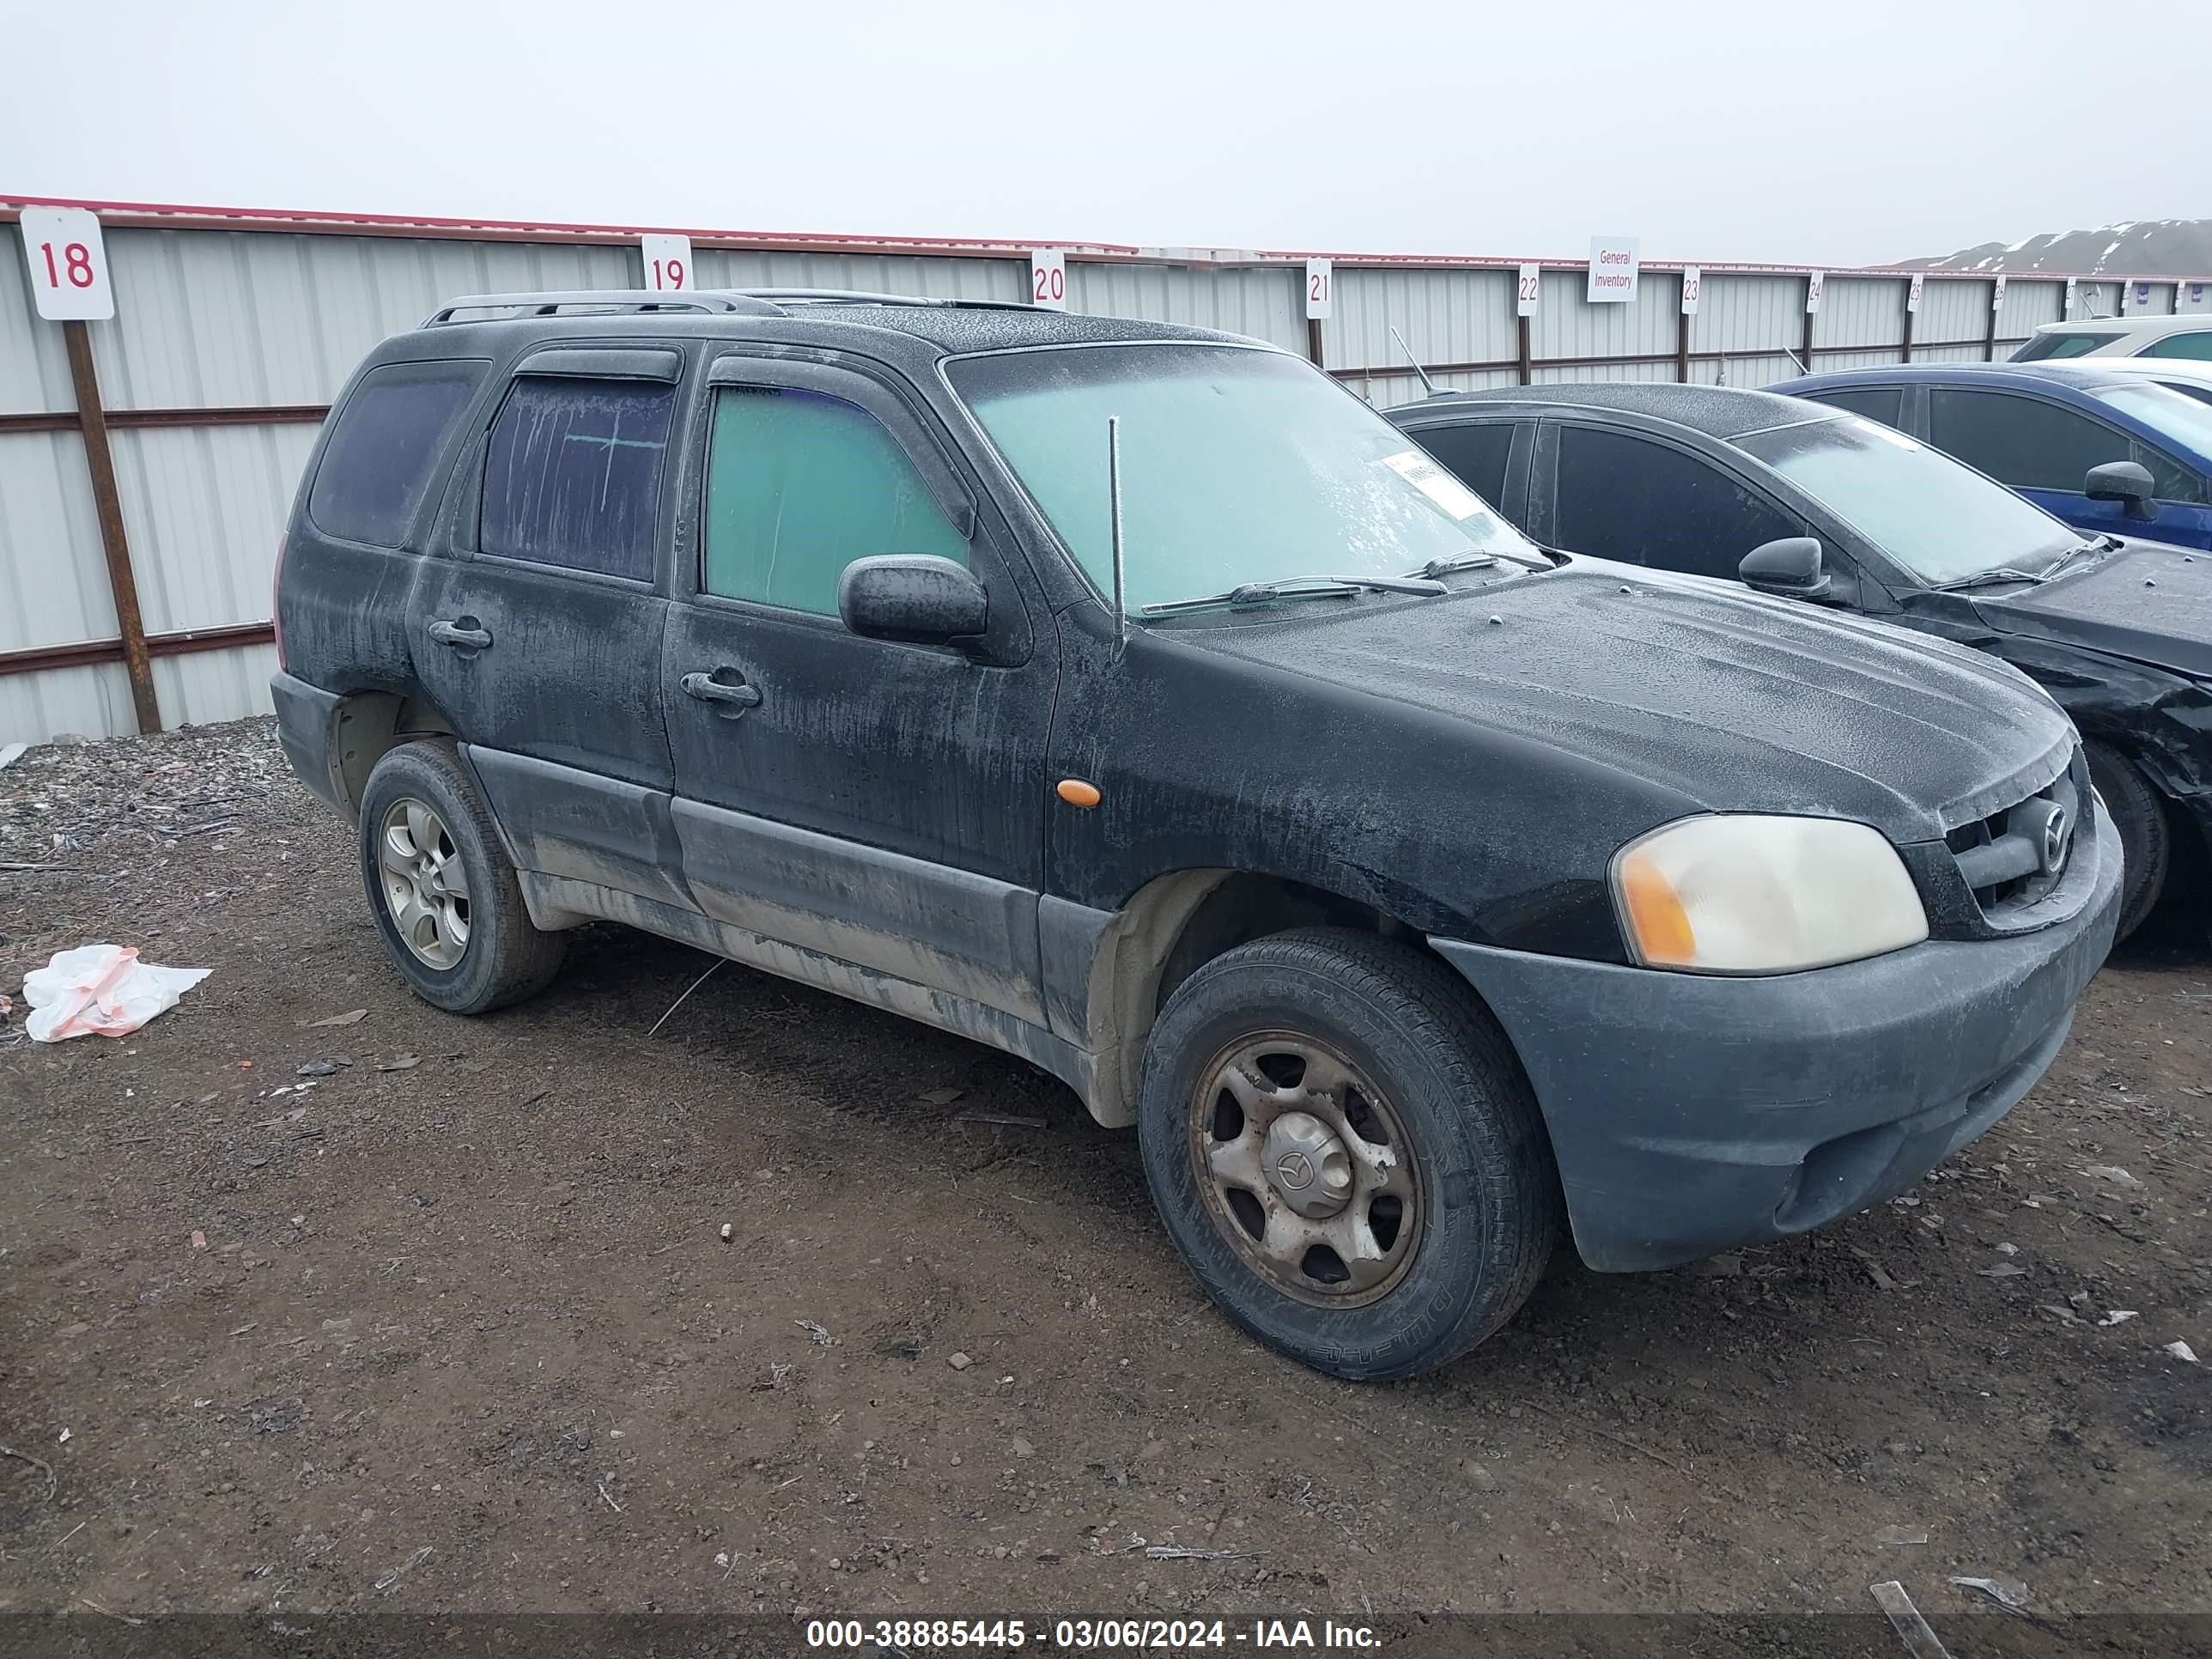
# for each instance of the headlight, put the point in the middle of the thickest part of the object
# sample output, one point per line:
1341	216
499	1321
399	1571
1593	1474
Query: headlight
1745	895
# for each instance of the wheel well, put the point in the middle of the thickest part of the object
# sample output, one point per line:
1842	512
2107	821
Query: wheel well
370	725
1174	926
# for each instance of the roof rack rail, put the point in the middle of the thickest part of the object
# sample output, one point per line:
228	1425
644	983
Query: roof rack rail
841	296
611	299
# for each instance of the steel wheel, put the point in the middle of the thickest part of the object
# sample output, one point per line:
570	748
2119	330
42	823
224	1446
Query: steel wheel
425	885
1306	1169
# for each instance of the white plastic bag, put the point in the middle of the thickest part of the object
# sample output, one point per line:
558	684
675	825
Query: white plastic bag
100	988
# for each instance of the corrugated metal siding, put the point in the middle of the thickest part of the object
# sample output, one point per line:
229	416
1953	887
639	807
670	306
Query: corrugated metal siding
212	318
53	578
1265	305
938	279
1859	311
1747	312
2029	305
35	377
206	686
1951	311
204	507
89	702
1446	316
1567	325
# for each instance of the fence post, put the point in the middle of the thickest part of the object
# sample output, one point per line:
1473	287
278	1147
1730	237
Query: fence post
1528	374
1989	335
1681	345
1806	340
107	502
1904	343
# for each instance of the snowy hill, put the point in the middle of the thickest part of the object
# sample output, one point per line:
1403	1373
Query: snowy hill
2146	247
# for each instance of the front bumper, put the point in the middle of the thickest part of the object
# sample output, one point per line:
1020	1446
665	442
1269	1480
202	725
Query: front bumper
1691	1114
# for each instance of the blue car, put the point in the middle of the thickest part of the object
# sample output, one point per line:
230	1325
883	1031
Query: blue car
2102	448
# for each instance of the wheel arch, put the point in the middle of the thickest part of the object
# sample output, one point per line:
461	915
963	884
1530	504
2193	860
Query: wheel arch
1172	926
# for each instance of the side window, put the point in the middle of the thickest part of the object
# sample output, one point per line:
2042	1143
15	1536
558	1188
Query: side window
376	468
573	475
2197	345
799	485
1474	455
2021	441
1622	497
1885	403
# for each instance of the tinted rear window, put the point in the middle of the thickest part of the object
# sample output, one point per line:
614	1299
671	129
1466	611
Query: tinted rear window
376	468
1475	455
2060	345
573	477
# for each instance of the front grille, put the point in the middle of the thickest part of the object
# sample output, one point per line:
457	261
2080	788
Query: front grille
2015	856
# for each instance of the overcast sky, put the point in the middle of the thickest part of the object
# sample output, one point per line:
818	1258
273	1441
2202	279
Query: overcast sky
1848	132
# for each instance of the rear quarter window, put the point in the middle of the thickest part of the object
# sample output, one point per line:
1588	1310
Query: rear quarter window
375	470
1885	403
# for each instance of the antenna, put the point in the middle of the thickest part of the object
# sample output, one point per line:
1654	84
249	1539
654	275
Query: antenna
1113	508
1428	386
1795	359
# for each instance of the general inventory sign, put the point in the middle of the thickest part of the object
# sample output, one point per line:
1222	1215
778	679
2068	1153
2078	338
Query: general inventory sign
1613	261
67	264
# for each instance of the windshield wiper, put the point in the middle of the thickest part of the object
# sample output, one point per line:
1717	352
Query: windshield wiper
1458	561
1295	587
2094	544
2004	573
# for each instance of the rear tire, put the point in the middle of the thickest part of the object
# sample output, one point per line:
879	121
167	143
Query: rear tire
442	888
1328	1056
2146	844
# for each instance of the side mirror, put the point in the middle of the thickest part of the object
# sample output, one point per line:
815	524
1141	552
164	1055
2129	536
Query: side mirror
1790	567
2122	481
916	597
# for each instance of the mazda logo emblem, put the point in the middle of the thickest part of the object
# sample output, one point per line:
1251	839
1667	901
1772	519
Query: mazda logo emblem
1296	1169
2058	840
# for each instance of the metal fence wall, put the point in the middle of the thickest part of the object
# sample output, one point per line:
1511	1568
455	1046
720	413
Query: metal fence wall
234	330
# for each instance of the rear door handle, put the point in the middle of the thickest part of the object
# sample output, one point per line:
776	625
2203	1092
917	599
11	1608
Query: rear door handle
733	691
464	636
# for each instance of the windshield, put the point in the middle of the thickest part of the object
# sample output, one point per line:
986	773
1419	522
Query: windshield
2166	411
1937	516
1236	466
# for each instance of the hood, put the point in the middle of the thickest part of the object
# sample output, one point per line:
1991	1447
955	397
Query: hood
2150	602
1725	700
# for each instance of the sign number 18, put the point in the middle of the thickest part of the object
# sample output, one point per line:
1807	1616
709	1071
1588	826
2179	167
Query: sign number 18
67	264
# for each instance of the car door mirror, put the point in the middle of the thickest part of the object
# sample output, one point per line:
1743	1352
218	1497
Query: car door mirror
2122	481
915	597
1791	567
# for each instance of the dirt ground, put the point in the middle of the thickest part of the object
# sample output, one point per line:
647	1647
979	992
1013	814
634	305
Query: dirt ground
464	1337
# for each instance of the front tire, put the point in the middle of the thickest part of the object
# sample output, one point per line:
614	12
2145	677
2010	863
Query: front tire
2146	845
1343	1146
442	888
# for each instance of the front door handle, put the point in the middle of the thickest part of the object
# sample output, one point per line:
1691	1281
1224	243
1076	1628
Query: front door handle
464	636
713	688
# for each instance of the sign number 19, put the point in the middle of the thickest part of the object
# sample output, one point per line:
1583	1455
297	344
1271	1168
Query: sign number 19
667	263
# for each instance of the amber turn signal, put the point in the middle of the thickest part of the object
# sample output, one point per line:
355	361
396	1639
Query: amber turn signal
1076	792
1664	933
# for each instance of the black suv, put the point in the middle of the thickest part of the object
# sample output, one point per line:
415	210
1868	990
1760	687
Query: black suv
1135	699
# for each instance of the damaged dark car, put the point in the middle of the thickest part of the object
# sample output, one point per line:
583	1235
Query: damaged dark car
1802	501
1135	700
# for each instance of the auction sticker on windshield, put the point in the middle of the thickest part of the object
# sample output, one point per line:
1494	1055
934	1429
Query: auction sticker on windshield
1432	481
